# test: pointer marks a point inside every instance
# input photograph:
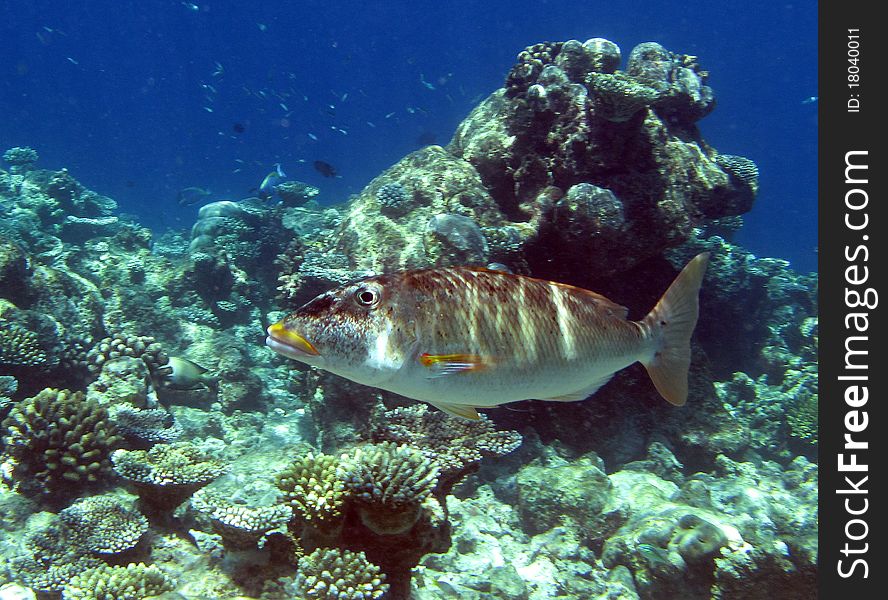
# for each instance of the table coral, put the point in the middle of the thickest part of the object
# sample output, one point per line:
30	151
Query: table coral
240	525
104	524
167	474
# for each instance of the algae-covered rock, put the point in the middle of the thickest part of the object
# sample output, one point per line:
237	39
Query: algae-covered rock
577	493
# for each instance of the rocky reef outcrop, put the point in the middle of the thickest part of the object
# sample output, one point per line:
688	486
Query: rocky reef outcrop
573	162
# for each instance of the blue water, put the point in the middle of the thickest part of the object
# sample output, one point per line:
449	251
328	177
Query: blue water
120	92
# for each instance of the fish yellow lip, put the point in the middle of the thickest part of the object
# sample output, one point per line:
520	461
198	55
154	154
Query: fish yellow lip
289	343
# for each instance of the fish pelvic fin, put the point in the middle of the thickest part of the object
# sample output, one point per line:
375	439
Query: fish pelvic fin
458	410
671	323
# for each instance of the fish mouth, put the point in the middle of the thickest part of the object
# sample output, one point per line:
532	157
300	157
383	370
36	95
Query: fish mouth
289	343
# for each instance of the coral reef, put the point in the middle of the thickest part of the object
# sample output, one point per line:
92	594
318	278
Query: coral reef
573	158
304	484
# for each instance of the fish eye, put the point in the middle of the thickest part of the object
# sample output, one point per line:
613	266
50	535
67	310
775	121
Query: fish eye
366	297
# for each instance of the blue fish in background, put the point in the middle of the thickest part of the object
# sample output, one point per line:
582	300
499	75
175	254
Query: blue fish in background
266	188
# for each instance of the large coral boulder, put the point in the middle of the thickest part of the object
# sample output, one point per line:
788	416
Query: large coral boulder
424	210
572	163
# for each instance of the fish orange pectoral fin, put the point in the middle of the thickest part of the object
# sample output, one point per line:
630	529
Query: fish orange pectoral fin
440	365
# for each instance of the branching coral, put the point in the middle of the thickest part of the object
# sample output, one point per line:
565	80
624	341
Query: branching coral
456	445
104	524
335	574
389	482
120	344
132	582
59	441
313	489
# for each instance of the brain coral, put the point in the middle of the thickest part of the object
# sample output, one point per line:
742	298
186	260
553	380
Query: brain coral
58	441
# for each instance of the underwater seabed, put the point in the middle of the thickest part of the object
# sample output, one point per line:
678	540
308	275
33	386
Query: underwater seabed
152	446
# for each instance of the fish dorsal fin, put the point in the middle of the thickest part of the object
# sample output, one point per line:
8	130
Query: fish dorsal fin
583	393
458	410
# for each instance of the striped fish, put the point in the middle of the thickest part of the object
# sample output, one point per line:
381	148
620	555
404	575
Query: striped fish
461	338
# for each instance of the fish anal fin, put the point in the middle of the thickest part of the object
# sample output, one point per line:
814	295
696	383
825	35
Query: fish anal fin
583	393
458	410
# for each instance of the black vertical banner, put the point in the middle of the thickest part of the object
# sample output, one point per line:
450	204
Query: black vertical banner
853	257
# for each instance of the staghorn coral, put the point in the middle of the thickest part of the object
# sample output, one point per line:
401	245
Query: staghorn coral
167	474
58	442
104	524
336	574
389	482
456	445
132	582
240	525
313	489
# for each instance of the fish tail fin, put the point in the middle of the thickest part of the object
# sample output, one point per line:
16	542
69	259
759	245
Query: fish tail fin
671	323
